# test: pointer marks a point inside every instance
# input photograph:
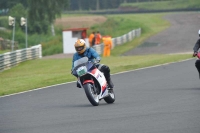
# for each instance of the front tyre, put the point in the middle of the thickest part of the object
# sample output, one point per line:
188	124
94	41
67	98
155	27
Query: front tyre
91	95
111	98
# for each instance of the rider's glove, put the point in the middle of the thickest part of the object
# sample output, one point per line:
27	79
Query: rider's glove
194	54
98	60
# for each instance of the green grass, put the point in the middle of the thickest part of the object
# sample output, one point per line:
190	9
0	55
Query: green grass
34	74
4	51
150	25
44	72
163	5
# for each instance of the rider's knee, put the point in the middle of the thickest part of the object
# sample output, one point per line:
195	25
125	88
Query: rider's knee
105	68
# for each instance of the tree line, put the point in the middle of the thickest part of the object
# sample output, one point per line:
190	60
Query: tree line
101	4
42	13
74	4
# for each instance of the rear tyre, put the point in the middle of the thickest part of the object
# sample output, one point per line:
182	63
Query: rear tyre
91	95
111	98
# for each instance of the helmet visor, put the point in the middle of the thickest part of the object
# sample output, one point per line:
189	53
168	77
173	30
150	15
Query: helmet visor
79	48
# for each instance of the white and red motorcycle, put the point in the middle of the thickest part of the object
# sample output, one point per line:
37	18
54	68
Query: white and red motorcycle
93	81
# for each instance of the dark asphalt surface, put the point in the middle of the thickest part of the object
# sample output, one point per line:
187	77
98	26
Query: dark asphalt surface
163	99
180	37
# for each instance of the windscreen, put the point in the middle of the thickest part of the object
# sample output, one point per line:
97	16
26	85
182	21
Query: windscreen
80	61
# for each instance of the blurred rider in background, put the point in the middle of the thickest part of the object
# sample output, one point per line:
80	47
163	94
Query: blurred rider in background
196	49
83	51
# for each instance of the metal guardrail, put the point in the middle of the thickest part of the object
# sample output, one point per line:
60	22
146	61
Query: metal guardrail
119	40
11	59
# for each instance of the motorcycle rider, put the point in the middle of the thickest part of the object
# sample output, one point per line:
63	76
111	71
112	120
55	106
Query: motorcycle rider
83	51
196	48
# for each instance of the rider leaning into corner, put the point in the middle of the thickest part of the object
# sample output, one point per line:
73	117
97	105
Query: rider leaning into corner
196	49
83	51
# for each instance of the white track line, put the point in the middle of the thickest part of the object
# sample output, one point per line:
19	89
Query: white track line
112	74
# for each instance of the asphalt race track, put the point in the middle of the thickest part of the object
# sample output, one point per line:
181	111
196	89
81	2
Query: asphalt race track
162	99
180	37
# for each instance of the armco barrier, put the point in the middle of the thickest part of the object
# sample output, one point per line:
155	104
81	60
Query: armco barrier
119	40
11	59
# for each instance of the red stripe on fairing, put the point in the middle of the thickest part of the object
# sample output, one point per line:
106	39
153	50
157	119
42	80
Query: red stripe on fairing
94	71
88	81
103	88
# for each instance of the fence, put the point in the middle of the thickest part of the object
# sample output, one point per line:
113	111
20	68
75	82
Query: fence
11	59
120	40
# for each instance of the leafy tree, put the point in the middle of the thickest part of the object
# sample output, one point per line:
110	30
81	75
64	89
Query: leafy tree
4	4
42	13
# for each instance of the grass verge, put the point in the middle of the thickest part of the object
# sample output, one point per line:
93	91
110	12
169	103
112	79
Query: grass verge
150	25
44	72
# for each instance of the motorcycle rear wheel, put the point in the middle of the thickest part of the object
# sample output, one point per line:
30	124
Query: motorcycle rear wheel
111	98
90	93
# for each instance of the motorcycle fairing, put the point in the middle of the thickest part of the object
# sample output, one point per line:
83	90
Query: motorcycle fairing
103	89
88	81
101	79
93	71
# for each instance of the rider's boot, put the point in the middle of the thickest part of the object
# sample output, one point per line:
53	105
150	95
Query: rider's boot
78	85
106	70
110	83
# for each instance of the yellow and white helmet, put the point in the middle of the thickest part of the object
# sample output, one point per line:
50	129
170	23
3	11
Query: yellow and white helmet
80	46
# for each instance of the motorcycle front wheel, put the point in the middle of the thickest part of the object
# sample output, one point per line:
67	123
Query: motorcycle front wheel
91	94
110	98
